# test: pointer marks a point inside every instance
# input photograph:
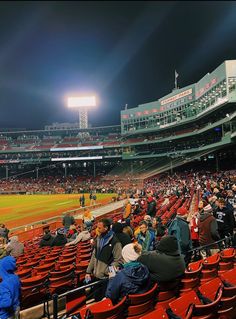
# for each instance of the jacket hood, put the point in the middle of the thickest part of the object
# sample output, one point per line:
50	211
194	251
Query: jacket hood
137	273
7	266
204	216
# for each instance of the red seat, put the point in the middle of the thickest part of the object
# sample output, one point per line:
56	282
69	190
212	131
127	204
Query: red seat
105	309
33	290
43	269
23	274
140	304
183	306
158	314
227	255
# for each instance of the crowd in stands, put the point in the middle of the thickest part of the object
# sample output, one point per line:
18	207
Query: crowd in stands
60	185
153	240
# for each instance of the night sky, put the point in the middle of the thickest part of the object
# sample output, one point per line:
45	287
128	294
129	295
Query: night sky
125	52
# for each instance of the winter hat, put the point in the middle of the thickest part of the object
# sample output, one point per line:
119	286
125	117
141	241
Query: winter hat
182	211
150	199
147	218
60	231
129	253
207	209
168	245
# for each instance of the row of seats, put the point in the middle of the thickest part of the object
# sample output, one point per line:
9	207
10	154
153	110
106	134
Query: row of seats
55	270
214	299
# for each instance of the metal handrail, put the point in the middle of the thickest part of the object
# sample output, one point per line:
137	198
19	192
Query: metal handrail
56	297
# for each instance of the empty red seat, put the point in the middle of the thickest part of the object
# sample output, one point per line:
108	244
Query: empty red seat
140	304
106	310
158	314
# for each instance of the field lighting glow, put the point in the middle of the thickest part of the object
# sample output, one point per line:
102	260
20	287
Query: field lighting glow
81	101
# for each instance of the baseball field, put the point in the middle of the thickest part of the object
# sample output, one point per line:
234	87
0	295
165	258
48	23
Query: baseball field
17	210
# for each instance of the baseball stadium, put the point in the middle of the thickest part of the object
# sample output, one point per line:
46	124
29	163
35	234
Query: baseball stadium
134	220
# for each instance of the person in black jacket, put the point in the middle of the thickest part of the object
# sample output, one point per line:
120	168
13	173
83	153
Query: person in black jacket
166	263
47	239
123	238
60	238
151	210
225	219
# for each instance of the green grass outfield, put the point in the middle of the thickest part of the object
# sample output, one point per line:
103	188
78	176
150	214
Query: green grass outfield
17	210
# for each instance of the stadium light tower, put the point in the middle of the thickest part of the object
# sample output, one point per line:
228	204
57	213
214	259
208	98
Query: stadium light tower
82	104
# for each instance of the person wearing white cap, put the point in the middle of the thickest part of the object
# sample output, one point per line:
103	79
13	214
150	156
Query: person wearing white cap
134	278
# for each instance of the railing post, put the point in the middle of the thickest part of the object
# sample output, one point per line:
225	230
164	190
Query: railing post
55	306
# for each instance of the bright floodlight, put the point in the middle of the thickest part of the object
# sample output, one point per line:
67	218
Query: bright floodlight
81	101
82	104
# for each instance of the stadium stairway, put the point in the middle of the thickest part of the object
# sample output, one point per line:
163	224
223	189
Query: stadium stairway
104	210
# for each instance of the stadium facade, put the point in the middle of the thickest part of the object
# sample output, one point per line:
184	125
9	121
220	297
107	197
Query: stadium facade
194	123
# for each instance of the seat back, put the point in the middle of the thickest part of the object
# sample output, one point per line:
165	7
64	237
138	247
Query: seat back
211	308
210	288
106	310
142	303
137	299
159	313
182	305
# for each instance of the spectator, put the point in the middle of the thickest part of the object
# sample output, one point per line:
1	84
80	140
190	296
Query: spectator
194	229
14	247
88	218
60	238
128	230
107	252
225	219
132	279
47	239
128	209
151	211
72	233
123	238
180	229
3	251
208	230
67	221
158	227
166	263
9	289
82	236
146	237
137	210
4	231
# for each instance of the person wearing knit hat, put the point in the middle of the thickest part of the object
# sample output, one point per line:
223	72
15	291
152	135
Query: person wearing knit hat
182	211
131	252
166	263
208	230
134	278
60	238
208	209
179	228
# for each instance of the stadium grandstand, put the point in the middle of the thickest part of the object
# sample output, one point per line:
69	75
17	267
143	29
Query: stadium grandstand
161	243
194	123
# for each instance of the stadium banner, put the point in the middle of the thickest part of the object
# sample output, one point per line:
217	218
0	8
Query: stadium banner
9	161
88	158
81	148
177	97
